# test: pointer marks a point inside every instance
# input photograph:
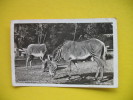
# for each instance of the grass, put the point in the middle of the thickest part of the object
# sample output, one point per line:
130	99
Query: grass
83	75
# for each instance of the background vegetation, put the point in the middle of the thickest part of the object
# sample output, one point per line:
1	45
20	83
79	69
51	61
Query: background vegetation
53	34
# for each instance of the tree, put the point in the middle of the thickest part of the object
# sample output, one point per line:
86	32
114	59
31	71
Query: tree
53	34
75	30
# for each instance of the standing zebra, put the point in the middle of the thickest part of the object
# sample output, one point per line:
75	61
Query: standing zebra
72	51
36	50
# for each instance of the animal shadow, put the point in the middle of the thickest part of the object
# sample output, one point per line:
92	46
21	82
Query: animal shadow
60	68
87	78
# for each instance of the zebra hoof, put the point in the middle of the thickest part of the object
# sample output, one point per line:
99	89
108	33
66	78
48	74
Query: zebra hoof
45	70
95	79
100	78
83	77
98	81
69	78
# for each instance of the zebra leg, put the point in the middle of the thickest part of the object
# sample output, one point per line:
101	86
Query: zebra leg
103	63
30	60
98	67
69	66
76	65
41	59
27	60
44	65
30	63
97	73
42	62
78	72
101	73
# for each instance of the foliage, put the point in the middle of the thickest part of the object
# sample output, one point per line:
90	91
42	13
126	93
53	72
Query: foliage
53	34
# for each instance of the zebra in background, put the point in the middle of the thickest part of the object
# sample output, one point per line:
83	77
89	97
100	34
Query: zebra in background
36	50
72	51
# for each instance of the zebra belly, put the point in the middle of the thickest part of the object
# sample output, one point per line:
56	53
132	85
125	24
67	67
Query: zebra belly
37	54
80	57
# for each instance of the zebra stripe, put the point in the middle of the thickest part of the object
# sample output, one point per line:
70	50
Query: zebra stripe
58	56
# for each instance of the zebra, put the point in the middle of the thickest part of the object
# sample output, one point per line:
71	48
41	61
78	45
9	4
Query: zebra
72	51
36	50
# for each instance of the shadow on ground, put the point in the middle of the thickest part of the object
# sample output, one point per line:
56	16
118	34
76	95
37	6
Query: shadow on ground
60	68
87	78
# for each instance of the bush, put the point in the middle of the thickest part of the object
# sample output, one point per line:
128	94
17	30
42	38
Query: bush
109	56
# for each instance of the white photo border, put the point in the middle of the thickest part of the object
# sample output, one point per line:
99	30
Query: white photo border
93	20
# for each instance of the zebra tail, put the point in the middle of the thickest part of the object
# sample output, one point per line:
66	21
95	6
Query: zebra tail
104	55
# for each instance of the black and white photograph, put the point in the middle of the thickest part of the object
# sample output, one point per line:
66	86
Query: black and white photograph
65	53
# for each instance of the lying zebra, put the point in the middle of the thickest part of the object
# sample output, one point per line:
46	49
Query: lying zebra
72	51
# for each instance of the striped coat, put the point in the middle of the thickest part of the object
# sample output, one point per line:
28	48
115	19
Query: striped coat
72	51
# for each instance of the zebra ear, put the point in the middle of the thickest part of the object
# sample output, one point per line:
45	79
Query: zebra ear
50	57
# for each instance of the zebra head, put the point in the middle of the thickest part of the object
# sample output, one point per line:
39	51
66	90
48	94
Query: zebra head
51	65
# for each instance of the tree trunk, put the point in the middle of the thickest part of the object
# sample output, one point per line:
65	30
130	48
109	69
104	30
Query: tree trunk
75	31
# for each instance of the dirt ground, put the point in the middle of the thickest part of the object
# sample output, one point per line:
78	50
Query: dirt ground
83	75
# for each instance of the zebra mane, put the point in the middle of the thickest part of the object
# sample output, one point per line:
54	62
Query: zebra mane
58	48
57	52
